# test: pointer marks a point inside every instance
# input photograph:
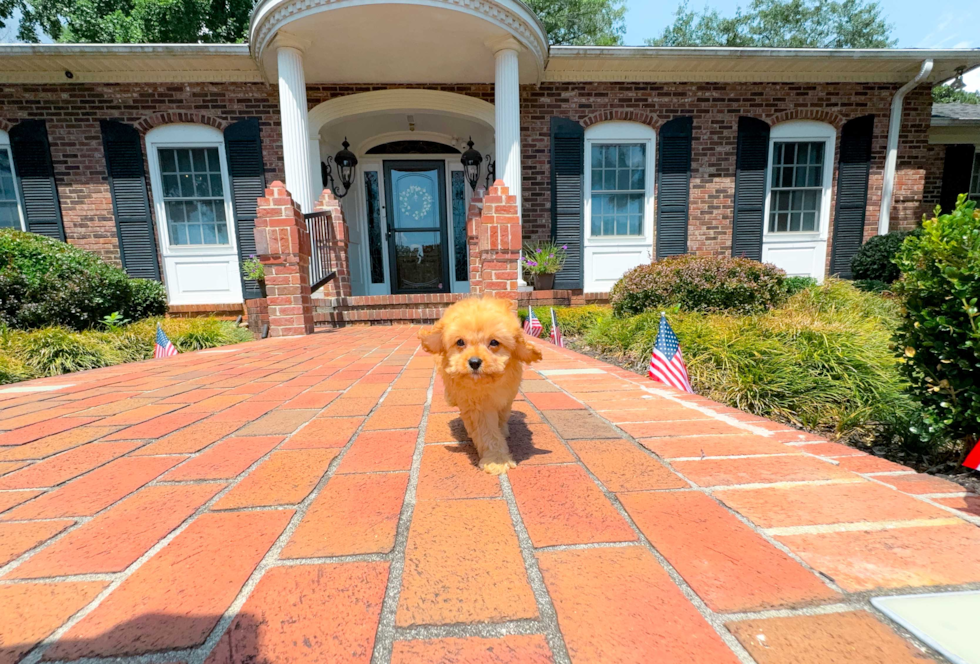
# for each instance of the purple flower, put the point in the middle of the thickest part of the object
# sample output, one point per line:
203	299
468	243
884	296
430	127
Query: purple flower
537	251
551	255
564	247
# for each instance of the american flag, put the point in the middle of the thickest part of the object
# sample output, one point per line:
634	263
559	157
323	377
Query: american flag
667	363
973	458
163	347
555	335
532	325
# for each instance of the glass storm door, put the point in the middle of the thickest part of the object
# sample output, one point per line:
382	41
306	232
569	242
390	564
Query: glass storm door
416	216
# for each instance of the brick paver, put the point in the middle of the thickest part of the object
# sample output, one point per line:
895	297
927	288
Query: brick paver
307	500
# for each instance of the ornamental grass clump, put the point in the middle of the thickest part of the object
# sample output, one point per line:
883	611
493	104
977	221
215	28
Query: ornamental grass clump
821	360
699	283
938	341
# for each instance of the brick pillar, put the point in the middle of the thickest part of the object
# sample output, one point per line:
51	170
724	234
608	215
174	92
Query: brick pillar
473	242
340	251
499	242
282	244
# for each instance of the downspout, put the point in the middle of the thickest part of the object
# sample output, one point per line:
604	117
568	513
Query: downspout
891	158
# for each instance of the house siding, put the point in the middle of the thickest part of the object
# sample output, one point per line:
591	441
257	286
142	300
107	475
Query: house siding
73	111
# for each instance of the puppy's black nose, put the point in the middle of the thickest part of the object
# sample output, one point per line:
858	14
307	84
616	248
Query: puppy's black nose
475	363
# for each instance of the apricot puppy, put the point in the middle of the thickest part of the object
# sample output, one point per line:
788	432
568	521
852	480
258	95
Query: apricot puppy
480	349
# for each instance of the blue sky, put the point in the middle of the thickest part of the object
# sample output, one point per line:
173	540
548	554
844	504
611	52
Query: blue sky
945	24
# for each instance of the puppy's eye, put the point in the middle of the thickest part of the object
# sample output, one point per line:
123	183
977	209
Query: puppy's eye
494	343
460	343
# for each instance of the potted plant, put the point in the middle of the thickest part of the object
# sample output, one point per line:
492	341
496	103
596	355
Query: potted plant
542	260
254	270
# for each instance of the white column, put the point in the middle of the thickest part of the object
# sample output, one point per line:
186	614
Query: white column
294	122
507	116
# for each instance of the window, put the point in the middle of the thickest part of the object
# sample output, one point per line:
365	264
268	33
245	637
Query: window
618	188
193	195
797	186
975	178
9	202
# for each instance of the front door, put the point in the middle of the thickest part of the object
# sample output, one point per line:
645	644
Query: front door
416	216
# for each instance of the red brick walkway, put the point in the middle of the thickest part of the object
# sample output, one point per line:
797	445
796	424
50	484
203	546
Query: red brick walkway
314	500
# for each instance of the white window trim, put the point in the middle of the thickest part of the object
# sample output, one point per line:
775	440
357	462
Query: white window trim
615	132
188	136
799	131
5	145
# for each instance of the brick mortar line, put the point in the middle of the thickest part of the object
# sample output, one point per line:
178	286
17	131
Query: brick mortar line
717	620
864	526
37	652
547	614
385	632
706	613
524	627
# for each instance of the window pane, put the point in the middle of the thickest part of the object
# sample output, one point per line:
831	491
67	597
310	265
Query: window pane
797	181
619	168
9	217
596	179
193	196
596	156
199	161
609	156
202	186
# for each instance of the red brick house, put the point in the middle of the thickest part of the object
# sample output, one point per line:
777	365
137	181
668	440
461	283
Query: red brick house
153	155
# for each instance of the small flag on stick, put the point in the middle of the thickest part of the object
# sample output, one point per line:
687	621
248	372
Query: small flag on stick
532	325
163	347
555	335
973	458
667	363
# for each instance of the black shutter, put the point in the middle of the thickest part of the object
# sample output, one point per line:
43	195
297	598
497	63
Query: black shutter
673	186
957	168
567	163
852	192
751	164
130	203
35	173
247	174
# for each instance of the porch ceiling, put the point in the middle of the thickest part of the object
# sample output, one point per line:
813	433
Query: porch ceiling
399	41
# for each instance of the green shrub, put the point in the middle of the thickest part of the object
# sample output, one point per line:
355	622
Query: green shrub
571	320
875	260
699	283
821	361
794	285
147	298
939	336
872	285
44	282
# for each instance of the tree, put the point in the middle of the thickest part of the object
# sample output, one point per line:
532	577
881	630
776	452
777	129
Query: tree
132	21
577	22
582	22
945	94
782	24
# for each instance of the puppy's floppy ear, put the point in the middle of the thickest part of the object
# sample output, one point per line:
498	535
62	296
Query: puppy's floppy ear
526	351
431	338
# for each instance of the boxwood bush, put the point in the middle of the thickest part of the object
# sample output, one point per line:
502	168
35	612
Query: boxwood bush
46	283
874	262
699	283
939	337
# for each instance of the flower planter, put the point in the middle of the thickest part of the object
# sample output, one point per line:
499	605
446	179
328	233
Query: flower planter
544	281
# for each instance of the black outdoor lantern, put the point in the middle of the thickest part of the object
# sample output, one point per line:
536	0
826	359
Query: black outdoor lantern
471	161
346	161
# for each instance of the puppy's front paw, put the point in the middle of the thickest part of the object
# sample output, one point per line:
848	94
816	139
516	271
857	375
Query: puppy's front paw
496	463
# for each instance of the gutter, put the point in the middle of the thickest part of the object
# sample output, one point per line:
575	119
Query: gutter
891	158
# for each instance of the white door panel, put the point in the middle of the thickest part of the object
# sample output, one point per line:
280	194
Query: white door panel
604	266
804	259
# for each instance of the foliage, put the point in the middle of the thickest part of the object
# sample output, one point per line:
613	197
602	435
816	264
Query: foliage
575	22
543	257
794	285
939	337
699	283
115	320
872	285
947	94
44	282
582	22
253	269
52	351
132	21
821	361
875	260
782	23
146	298
571	320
